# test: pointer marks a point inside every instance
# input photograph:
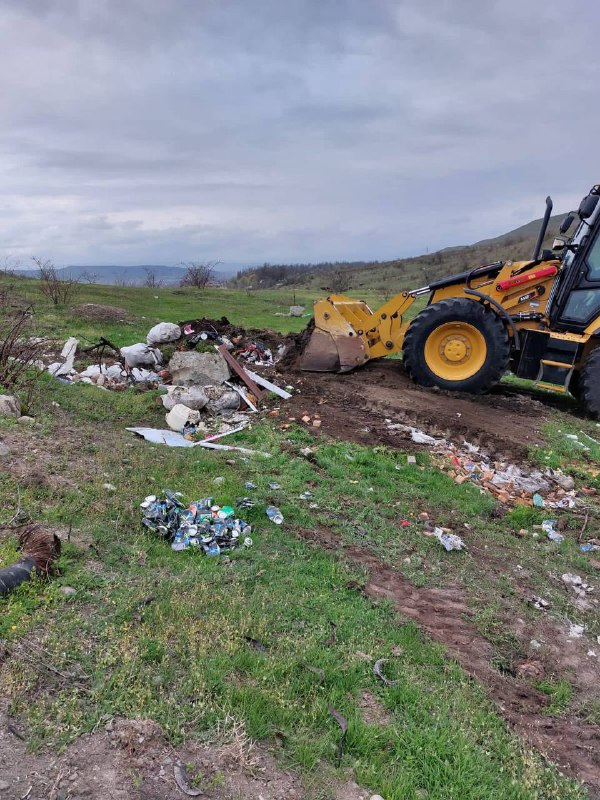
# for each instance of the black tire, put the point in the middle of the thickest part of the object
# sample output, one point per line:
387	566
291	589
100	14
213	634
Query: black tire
575	385
589	384
486	321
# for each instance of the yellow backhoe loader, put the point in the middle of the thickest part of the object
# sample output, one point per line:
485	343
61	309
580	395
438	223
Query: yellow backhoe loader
539	318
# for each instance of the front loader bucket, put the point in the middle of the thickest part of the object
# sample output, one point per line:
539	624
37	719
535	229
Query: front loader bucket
335	344
328	352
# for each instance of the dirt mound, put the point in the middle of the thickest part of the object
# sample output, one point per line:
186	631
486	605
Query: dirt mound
239	335
99	313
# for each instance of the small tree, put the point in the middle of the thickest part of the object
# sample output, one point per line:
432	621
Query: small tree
340	281
59	290
198	274
151	281
19	352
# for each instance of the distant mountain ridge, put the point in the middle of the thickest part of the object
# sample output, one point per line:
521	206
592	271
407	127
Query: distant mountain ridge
115	274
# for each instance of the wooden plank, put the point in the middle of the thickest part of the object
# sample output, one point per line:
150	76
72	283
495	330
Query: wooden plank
241	372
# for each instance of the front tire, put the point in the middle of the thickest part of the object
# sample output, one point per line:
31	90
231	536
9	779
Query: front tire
589	384
458	345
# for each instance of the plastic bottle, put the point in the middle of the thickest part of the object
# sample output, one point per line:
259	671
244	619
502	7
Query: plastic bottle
275	515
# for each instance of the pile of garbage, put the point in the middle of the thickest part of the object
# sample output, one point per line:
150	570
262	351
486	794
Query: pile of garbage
211	528
209	380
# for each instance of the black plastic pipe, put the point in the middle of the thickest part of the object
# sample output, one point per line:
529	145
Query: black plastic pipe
16	574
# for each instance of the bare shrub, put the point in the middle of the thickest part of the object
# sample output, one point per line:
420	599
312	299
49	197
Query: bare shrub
197	274
19	351
151	281
58	289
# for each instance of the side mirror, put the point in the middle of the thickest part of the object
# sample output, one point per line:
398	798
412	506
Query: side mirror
558	243
588	206
566	223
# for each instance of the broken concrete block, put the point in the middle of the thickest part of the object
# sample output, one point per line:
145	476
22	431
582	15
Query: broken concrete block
198	369
10	406
296	311
193	397
163	332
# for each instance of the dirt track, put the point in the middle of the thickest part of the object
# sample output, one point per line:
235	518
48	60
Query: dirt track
355	405
570	742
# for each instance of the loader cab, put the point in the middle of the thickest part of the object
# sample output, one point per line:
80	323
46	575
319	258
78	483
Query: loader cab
576	295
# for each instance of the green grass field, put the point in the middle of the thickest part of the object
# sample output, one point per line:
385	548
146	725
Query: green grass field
185	660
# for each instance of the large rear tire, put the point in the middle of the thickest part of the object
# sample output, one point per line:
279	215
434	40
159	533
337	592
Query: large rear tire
589	384
457	344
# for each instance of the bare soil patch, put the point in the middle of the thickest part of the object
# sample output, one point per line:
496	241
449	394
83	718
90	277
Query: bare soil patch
131	760
354	407
443	613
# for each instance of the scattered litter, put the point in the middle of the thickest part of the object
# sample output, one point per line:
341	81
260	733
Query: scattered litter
421	438
211	528
315	670
332	638
275	515
256	644
448	540
539	603
250	485
553	535
109	487
173	439
180	776
268	385
575	631
306	496
589	547
274	485
409	460
343	723
377	669
538	500
535	645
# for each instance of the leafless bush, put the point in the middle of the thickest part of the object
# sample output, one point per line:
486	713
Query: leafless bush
151	281
19	351
197	274
59	290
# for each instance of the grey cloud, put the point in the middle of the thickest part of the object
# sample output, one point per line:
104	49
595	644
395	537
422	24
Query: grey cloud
250	131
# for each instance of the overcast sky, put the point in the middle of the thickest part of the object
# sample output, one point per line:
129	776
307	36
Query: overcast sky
159	131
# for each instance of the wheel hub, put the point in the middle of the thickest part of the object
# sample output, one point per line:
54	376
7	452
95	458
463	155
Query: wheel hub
455	349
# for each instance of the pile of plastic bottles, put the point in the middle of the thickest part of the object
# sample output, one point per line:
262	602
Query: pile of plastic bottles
212	528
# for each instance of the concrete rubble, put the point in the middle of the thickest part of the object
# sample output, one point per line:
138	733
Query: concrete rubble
205	390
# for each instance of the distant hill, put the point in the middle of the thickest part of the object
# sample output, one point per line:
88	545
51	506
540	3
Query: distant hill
128	276
389	277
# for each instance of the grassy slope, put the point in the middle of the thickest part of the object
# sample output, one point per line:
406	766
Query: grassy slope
187	664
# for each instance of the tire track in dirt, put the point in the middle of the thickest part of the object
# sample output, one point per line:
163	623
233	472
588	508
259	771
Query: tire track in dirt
572	744
354	407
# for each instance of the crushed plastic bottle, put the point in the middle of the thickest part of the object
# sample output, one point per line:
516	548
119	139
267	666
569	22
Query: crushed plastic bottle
274	485
275	515
448	540
553	535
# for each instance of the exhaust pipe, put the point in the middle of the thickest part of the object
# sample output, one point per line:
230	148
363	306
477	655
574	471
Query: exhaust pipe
543	229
